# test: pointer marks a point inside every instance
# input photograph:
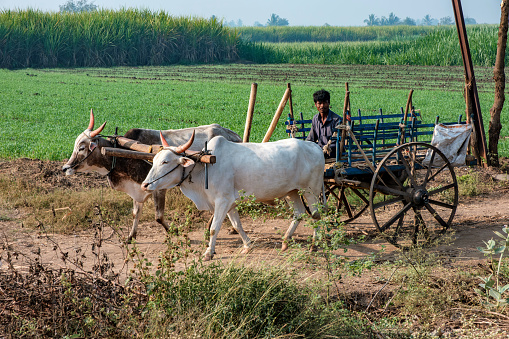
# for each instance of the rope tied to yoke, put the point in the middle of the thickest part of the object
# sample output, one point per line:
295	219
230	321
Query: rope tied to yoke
197	158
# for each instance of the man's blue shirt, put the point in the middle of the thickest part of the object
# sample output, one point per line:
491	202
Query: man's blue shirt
321	132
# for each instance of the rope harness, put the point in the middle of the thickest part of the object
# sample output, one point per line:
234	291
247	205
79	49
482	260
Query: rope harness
82	160
114	161
183	177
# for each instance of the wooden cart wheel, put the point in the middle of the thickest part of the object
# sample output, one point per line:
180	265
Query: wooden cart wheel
420	195
349	201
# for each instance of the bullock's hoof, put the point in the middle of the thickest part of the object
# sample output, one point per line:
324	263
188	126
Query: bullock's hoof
131	239
208	257
246	250
284	247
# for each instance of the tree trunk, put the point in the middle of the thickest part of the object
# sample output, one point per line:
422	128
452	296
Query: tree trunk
499	77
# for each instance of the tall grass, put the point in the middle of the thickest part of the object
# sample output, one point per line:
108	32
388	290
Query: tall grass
132	37
438	47
31	38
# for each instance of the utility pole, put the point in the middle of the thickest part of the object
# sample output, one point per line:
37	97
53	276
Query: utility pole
473	110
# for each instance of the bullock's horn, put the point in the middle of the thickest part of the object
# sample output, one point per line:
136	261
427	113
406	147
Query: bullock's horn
184	147
93	134
91	124
163	140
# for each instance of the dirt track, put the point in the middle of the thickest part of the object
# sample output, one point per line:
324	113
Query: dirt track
475	221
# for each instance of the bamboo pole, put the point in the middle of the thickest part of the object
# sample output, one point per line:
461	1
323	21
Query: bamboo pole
290	101
405	118
343	123
408	103
250	111
277	115
347	89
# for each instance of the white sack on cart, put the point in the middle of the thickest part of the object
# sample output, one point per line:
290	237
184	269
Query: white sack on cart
452	140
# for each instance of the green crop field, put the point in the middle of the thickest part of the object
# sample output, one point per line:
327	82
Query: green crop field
434	47
278	34
44	110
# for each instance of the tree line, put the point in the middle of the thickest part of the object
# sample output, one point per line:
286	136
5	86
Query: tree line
427	20
276	20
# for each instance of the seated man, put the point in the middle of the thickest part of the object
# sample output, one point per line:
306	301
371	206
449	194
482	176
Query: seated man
323	123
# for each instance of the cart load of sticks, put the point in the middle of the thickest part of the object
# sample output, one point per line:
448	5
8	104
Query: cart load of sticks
129	148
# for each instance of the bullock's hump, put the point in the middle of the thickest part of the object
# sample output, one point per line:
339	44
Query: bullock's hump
144	136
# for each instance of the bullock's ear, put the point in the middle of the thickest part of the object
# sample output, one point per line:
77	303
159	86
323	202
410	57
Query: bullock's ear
92	146
186	162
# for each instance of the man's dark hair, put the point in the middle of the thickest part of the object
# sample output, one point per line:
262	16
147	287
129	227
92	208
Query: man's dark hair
321	95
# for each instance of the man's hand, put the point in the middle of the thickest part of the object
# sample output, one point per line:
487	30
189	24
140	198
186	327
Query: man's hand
327	150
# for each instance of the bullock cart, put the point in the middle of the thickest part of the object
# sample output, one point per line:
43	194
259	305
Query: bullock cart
386	165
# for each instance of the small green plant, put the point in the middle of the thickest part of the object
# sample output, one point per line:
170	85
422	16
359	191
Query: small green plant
332	237
471	184
493	293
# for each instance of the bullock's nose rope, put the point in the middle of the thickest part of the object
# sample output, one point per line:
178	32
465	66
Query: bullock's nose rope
182	178
162	176
85	158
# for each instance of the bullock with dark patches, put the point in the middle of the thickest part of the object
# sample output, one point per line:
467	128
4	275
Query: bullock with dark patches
126	174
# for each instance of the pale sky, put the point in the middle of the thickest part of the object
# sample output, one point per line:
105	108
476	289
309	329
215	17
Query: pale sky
297	12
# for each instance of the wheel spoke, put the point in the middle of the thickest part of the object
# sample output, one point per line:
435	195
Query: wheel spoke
436	215
426	178
359	194
331	191
393	176
345	203
388	190
407	168
438	172
396	216
418	220
441	189
387	202
441	204
395	235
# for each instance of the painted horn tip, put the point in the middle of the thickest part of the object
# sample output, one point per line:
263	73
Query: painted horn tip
97	131
91	123
184	147
163	140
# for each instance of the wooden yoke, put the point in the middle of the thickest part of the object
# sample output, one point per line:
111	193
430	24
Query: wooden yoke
136	150
134	145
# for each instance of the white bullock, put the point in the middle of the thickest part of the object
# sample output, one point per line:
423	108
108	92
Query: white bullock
267	171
